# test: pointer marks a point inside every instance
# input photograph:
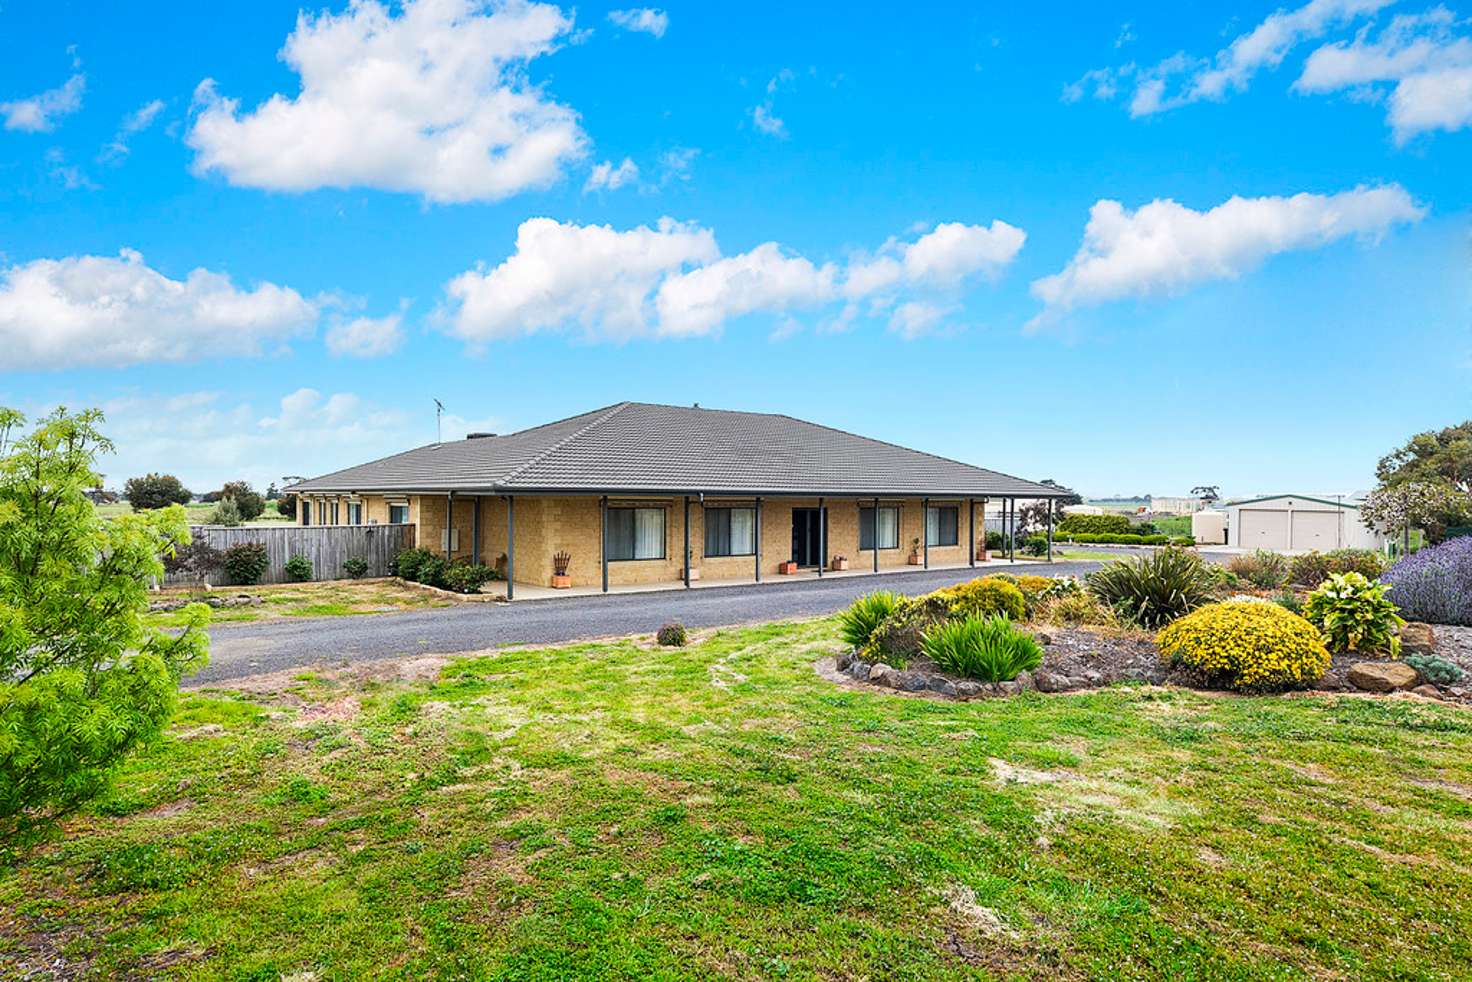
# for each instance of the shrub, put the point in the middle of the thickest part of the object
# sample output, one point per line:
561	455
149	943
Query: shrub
298	569
856	625
197	557
1030	586
1366	562
155	491
82	681
462	577
672	635
246	563
1249	646
1355	614
1437	671
995	541
985	648
1313	568
1288	600
408	561
355	568
225	513
1261	568
1184	541
1153	590
432	571
1059	586
1035	545
246	498
897	638
286	506
1095	524
984	597
1435	584
1073	609
1308	569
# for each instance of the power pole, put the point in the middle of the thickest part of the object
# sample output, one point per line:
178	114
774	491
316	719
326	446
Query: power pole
439	411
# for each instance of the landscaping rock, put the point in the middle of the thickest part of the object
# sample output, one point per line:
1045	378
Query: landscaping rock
1417	639
943	685
1427	690
859	669
1026	681
912	682
1011	688
970	690
845	659
1050	682
1382	676
882	674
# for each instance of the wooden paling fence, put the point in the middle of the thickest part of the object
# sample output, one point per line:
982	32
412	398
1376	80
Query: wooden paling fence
327	546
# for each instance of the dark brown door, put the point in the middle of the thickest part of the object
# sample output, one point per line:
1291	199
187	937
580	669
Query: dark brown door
806	544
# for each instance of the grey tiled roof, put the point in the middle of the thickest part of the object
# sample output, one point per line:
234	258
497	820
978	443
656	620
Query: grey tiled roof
643	448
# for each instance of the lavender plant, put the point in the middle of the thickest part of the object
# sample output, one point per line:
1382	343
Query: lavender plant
1435	584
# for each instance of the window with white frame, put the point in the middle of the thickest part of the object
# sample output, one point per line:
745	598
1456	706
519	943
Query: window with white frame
635	533
398	514
889	527
355	513
942	524
335	513
730	531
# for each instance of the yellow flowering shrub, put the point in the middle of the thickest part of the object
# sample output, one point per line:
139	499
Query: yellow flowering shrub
1029	585
984	597
1247	645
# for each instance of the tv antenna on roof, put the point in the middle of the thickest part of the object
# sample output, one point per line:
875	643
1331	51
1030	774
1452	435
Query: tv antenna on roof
439	411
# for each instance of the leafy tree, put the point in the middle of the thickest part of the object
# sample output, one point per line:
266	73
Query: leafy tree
246	498
226	513
272	492
155	491
82	681
286	506
1209	494
1071	498
1426	483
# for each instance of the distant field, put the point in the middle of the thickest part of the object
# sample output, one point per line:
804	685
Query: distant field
198	513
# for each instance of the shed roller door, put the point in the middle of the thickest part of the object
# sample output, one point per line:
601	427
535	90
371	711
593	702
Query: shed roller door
1315	530
1264	529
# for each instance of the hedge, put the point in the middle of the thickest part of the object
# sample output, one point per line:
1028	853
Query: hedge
1127	540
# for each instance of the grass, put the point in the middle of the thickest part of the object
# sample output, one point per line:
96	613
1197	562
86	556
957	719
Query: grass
616	810
336	598
198	513
1097	555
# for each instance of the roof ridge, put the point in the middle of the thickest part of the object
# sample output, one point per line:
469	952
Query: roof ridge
537	459
897	446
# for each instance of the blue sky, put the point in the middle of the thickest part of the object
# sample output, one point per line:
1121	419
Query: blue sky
1128	249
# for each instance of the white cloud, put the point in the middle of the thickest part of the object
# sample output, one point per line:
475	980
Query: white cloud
98	310
610	177
943	257
678	163
1182	79
1424	57
207	439
134	123
916	318
646	19
700	300
1165	247
591	275
672	281
765	121
366	337
433	101
39	113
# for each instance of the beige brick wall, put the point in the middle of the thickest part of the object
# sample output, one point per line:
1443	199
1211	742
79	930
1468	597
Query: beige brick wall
545	525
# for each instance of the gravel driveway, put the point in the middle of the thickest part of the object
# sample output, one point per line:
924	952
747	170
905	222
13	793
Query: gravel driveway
238	650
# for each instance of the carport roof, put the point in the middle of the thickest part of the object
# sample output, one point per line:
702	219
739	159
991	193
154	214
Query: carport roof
635	447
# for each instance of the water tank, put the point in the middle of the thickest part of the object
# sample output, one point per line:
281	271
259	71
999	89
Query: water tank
1209	528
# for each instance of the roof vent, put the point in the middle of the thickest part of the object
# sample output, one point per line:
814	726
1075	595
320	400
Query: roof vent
478	436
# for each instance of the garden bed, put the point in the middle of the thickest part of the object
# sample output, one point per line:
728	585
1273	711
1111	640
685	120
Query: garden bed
1077	658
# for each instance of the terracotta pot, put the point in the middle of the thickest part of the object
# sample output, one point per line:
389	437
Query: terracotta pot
561	582
839	565
787	568
981	556
915	560
694	574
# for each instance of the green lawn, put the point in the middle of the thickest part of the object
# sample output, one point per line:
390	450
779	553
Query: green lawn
614	810
333	598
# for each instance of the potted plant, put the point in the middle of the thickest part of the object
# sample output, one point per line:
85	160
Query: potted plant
981	550
560	562
840	563
788	567
914	552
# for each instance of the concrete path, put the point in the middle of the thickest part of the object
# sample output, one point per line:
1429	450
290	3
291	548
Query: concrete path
238	650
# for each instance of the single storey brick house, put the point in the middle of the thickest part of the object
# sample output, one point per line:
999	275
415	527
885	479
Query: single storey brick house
627	492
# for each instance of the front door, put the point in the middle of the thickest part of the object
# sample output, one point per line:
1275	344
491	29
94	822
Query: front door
806	547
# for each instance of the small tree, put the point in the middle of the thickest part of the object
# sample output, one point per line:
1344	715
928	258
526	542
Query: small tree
155	491
82	681
1209	494
226	513
286	506
246	498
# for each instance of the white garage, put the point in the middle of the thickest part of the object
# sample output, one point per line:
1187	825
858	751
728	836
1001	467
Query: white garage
1299	523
